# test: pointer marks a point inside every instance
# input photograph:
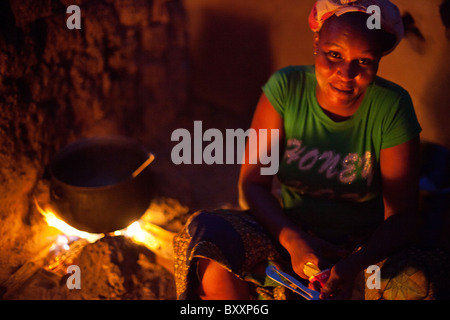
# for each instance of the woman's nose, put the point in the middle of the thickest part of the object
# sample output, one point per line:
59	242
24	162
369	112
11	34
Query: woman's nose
348	71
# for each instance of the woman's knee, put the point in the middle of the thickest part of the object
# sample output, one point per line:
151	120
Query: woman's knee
217	283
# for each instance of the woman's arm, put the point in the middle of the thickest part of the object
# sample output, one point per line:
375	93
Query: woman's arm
255	189
400	186
255	194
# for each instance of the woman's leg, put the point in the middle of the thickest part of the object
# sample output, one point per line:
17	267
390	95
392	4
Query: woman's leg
217	283
212	239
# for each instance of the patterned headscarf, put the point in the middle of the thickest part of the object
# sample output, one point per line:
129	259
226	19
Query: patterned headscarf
391	20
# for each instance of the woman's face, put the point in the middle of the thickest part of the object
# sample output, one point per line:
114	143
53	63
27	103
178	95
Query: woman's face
347	61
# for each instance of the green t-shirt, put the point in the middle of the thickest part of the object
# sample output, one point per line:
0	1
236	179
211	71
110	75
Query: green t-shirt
330	172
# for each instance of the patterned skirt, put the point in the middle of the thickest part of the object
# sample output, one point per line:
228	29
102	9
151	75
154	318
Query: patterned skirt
237	242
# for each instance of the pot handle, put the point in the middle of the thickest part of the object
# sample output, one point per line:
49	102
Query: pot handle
144	165
56	192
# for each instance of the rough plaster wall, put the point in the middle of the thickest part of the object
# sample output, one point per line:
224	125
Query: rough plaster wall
228	73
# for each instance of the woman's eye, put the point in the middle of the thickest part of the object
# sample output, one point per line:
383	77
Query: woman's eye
334	55
365	62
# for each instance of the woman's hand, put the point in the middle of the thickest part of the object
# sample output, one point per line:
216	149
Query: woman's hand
301	252
339	285
304	248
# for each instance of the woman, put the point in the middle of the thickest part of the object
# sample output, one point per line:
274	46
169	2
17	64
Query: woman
348	169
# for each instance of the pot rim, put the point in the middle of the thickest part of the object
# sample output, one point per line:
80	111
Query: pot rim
79	144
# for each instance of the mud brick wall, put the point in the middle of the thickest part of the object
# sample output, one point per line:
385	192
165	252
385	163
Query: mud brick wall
123	72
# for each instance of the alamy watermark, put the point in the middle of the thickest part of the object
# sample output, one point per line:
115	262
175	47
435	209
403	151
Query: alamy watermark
374	21
228	148
74	280
372	282
74	20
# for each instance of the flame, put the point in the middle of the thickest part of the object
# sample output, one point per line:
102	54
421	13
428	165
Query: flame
53	221
133	231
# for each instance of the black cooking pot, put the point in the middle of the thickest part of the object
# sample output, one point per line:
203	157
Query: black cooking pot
100	185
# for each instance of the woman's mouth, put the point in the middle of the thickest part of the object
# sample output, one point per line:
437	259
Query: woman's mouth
346	91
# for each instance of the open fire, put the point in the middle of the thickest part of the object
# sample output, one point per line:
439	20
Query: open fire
133	231
151	236
132	263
